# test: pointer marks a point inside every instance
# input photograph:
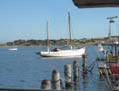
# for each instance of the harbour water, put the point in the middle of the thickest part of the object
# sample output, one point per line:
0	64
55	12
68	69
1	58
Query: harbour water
24	69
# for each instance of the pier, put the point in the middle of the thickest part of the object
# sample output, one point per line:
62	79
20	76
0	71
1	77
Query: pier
71	74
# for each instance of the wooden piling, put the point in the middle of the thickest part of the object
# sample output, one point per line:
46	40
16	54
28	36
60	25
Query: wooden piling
46	85
68	76
84	64
76	71
56	81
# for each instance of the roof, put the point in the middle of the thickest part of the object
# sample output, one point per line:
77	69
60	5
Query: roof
96	3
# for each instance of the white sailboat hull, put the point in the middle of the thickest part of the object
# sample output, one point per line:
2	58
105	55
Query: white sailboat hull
64	53
13	49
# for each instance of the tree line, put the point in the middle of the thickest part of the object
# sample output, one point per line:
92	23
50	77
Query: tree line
33	42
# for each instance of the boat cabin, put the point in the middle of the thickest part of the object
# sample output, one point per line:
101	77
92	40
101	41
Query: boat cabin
56	50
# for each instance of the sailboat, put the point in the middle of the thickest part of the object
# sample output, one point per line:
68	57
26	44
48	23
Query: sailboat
13	49
62	53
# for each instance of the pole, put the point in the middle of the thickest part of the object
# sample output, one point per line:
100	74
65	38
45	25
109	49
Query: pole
56	81
48	42
76	71
69	23
68	76
109	34
46	85
84	64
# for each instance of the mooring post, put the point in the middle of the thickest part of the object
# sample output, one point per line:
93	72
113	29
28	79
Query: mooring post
56	81
76	71
45	85
68	76
84	64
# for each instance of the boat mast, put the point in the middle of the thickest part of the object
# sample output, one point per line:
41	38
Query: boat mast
48	42
69	23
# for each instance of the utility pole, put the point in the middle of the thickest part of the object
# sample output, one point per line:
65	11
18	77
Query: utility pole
111	20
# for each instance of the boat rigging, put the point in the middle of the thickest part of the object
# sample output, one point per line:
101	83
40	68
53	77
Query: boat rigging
59	52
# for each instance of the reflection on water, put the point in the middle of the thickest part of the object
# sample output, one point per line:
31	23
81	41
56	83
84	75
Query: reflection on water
25	69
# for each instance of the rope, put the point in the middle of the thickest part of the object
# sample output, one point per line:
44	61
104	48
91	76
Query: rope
56	81
107	83
91	66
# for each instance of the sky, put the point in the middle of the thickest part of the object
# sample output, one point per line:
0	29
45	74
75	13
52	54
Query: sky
26	19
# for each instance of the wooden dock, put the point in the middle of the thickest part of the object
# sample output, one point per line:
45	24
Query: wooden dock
20	89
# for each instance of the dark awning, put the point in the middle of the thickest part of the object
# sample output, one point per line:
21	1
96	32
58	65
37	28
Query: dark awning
96	3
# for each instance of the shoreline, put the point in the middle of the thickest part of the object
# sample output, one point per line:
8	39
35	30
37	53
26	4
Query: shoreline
35	46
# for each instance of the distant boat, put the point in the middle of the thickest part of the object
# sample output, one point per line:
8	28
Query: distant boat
59	52
13	49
